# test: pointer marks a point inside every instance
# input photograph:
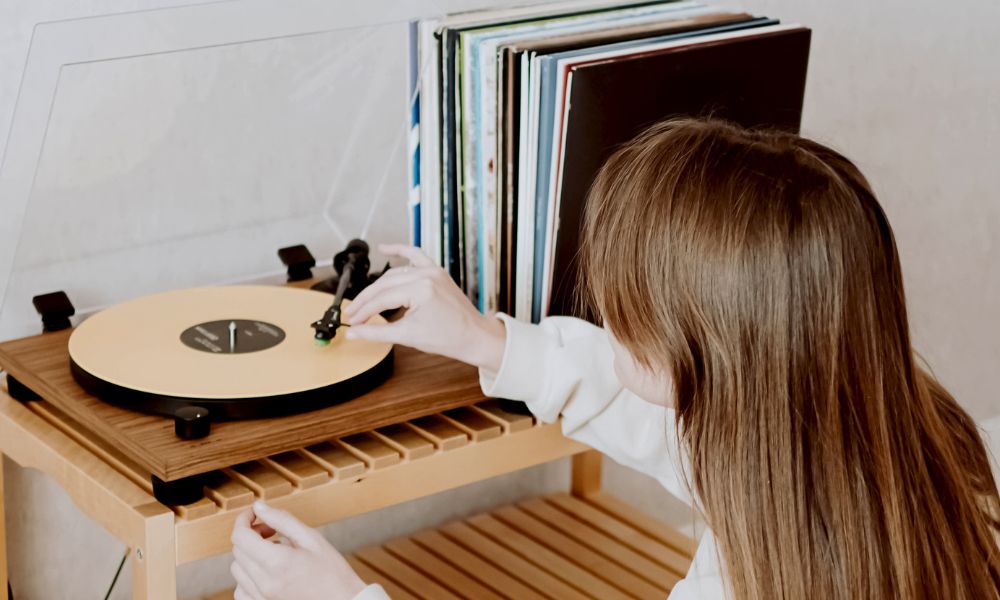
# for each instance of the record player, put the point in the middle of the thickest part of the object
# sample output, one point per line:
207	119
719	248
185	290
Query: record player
144	237
226	352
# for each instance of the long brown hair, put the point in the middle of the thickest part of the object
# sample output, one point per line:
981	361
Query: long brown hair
759	270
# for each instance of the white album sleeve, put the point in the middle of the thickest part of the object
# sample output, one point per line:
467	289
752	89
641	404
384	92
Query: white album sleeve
564	367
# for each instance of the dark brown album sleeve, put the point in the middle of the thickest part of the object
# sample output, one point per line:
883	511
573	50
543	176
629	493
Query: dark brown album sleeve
755	81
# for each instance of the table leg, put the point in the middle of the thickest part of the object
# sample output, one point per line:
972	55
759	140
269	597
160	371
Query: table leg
154	560
4	582
586	478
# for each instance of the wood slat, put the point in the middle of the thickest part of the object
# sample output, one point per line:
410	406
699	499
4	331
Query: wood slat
602	543
93	442
295	467
406	576
340	463
585	476
643	522
374	453
265	482
516	566
478	427
560	543
511	422
631	537
454	579
559	566
369	575
227	492
476	567
405	441
196	510
440	432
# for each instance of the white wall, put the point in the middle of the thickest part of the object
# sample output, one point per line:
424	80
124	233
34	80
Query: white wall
907	89
911	92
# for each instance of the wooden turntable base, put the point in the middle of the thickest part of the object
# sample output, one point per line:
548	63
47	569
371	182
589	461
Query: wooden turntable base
422	384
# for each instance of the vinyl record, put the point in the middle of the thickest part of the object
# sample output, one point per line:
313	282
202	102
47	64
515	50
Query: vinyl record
238	351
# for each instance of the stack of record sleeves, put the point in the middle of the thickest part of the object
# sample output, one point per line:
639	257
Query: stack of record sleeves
516	110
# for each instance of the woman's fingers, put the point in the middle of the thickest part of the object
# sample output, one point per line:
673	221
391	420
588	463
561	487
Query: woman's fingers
286	524
241	594
399	296
264	530
416	256
393	333
243	520
251	544
248	563
392	279
244	582
399	274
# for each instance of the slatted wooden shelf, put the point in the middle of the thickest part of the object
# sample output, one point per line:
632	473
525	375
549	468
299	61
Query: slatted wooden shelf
350	458
320	482
560	546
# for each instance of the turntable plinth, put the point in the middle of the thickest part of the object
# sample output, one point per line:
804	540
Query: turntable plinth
421	384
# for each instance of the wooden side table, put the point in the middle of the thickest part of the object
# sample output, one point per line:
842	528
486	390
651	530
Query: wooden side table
587	538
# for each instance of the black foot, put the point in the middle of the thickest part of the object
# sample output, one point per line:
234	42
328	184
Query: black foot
299	261
18	391
514	406
180	491
192	422
56	309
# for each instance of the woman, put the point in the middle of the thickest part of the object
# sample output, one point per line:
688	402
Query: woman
755	359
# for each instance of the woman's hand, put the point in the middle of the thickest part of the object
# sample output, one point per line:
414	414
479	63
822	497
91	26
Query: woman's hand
439	318
302	566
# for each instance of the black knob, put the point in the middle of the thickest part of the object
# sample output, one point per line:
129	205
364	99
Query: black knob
192	422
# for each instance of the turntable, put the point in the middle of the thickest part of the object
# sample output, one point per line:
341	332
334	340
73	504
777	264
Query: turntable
180	341
241	371
229	352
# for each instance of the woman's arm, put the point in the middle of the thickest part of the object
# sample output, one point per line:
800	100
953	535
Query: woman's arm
565	367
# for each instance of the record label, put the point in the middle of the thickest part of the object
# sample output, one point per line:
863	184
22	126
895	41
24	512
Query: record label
232	336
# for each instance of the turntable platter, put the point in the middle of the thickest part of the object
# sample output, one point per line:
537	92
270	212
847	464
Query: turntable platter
218	346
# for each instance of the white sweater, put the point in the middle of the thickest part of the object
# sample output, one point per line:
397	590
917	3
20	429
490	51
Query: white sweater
564	367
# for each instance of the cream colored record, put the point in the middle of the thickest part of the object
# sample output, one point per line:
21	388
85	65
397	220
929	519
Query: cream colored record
138	345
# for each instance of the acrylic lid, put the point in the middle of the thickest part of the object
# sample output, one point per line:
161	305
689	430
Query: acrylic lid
182	147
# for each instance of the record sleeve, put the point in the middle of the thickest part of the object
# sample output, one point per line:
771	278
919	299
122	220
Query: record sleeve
688	23
755	78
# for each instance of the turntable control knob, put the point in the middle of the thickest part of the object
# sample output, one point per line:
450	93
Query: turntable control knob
192	422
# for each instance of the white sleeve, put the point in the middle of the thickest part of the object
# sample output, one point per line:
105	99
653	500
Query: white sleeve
372	591
565	367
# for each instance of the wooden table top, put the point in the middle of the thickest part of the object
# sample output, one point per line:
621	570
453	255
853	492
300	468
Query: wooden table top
422	384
